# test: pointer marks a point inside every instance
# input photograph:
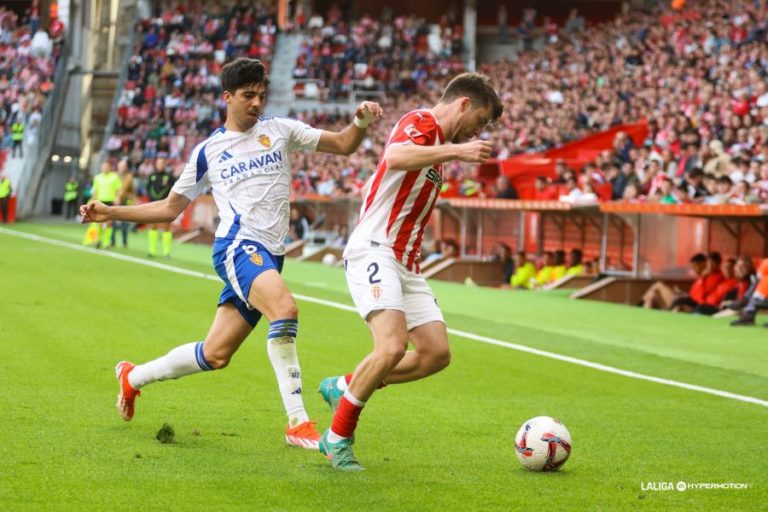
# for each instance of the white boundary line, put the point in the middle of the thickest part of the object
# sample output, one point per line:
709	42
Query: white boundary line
455	332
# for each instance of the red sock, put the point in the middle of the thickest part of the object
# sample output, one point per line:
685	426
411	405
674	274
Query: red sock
348	378
345	419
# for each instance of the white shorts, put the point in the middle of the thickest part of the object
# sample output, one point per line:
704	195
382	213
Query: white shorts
377	281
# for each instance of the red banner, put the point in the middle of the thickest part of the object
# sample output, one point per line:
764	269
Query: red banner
523	169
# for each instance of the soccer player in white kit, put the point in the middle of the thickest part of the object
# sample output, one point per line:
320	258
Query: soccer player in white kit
246	163
381	259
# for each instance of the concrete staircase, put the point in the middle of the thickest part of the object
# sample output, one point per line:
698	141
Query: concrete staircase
103	90
280	99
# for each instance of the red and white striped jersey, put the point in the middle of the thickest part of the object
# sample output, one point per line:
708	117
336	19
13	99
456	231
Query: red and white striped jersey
398	203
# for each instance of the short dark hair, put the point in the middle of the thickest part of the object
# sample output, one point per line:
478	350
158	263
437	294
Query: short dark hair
725	180
699	257
716	257
577	256
243	72
477	87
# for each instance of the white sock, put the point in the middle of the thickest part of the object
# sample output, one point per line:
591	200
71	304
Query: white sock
179	362
281	348
342	383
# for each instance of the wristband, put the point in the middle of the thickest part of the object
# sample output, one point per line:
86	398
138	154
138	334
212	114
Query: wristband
365	121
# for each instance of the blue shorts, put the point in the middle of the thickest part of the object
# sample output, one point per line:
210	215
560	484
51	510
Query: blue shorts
238	263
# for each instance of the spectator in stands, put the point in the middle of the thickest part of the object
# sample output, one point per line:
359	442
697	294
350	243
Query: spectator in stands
665	193
722	192
695	182
504	189
742	194
525	272
618	178
543	190
575	23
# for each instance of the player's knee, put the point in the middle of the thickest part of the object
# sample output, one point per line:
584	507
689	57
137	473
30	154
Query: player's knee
286	308
440	360
392	353
219	360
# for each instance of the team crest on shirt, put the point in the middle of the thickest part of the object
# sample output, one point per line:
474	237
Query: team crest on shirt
256	259
264	140
376	292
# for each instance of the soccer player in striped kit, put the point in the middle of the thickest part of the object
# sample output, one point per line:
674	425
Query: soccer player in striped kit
381	260
246	163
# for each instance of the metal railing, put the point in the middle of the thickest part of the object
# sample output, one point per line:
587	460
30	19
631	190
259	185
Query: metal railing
360	90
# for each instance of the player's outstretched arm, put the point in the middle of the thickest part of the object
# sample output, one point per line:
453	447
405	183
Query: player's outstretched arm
348	140
149	213
406	157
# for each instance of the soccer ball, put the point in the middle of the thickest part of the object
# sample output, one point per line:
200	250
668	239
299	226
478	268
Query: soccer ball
543	444
329	259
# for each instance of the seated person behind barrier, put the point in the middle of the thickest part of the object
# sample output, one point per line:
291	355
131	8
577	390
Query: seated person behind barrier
525	272
559	263
544	275
576	267
737	275
707	269
447	248
502	253
759	298
712	301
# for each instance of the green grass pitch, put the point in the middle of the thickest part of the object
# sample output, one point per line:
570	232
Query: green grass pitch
444	443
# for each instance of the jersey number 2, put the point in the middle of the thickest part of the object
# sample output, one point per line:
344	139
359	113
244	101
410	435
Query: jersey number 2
373	269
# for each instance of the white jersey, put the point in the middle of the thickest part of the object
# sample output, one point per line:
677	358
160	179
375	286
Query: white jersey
250	176
398	204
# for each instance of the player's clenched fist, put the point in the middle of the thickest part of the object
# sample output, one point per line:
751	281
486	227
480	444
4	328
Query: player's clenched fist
475	151
94	212
366	112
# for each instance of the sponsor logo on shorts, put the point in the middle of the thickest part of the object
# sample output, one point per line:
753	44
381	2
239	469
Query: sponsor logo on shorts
376	292
256	259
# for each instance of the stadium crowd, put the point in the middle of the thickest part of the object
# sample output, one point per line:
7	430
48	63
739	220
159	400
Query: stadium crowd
696	76
393	54
28	56
172	96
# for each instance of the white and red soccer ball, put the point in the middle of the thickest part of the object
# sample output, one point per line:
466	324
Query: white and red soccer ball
543	444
